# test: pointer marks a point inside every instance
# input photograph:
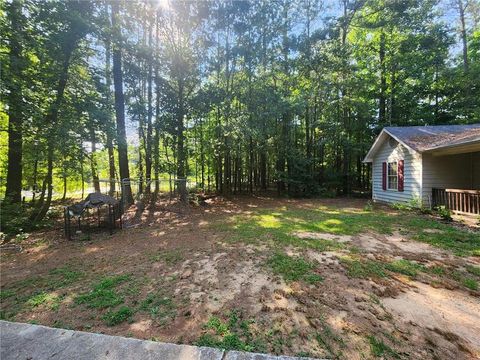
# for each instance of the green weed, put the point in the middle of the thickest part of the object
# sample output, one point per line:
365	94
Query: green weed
39	299
293	268
470	283
63	276
115	317
379	348
5	294
327	338
43	298
437	270
357	268
160	308
233	334
171	257
475	270
103	294
405	267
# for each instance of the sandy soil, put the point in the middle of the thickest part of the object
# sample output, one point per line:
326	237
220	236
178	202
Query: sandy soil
212	275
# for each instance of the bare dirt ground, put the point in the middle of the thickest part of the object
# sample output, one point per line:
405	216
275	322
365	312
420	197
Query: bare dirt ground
192	261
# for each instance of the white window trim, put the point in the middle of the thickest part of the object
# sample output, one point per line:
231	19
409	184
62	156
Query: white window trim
388	176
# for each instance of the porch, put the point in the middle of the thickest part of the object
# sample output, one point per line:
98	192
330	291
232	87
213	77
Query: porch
452	179
457	200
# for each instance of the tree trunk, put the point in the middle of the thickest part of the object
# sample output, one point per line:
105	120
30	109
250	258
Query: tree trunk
48	186
383	82
64	175
15	116
148	148
82	172
110	126
120	107
463	32
35	174
93	163
156	157
156	140
181	158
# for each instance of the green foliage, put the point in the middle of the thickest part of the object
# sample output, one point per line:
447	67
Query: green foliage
405	267
444	213
115	317
103	294
6	293
357	268
293	268
472	269
64	276
15	220
413	204
361	268
233	334
437	270
171	257
470	283
380	349
39	299
160	307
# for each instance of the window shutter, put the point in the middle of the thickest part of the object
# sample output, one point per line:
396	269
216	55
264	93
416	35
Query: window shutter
400	175
384	176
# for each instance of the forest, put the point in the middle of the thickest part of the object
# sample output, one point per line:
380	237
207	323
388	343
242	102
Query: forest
234	96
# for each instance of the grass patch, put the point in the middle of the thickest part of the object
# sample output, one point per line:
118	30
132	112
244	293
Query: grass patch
115	317
63	276
475	270
470	283
277	227
232	334
360	268
436	270
405	267
160	308
329	340
170	257
5	294
103	294
459	241
363	269
379	348
50	300
293	268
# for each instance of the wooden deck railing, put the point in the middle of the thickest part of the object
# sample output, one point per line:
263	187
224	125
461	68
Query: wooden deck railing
457	200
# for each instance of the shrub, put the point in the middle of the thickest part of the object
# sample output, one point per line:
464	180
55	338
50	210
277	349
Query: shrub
444	213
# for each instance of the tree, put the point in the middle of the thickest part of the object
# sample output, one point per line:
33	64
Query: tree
120	104
15	102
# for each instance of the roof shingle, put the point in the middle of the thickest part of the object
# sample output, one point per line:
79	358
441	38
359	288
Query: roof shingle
423	138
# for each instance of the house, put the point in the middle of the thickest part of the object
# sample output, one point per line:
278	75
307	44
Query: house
434	165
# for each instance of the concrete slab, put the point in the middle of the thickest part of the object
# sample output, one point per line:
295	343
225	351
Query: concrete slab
36	342
26	341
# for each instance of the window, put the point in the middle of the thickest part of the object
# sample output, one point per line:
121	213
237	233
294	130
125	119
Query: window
392	176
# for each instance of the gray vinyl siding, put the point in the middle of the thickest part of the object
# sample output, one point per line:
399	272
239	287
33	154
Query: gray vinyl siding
412	173
461	171
476	170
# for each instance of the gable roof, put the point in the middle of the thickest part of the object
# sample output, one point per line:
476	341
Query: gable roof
428	138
